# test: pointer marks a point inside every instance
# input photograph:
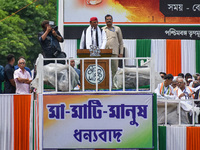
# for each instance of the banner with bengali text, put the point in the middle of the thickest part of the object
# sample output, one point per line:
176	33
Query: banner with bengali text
98	121
132	11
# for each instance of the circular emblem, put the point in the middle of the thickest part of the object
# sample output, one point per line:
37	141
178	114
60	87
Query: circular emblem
90	74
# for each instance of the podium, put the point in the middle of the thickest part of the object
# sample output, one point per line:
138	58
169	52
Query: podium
90	69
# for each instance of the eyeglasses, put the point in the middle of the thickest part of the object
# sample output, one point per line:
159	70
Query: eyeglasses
22	63
162	76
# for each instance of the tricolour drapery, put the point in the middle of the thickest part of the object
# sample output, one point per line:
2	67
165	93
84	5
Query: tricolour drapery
15	112
22	107
171	56
143	48
179	138
193	138
198	56
6	122
162	137
176	138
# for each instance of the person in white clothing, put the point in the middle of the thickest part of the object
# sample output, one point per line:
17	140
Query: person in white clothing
183	91
22	78
164	90
93	36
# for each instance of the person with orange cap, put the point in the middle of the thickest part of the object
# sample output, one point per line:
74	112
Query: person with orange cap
93	36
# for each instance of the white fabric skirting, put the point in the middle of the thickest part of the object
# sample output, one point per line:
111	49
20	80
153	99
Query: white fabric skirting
176	138
6	122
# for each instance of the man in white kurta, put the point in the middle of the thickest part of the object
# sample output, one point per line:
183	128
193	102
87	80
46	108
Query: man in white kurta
93	36
164	90
185	92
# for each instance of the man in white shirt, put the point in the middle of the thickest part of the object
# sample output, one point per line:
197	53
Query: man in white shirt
183	91
93	36
22	78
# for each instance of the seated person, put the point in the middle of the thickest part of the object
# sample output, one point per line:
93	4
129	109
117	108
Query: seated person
162	75
183	91
72	64
165	90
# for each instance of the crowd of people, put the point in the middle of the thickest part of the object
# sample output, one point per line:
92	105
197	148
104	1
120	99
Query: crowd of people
179	87
17	78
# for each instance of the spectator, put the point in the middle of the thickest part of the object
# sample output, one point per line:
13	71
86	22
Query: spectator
162	75
198	79
181	75
174	83
72	63
22	78
8	74
183	91
195	76
164	89
27	69
1	77
188	78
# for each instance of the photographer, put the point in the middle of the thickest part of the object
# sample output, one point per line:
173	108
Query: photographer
49	40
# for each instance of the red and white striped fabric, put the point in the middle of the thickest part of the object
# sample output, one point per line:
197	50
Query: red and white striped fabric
15	120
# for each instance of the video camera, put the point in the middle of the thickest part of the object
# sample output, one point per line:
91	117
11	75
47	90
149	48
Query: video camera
51	23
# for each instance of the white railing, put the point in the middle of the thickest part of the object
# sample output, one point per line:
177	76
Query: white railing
150	66
193	111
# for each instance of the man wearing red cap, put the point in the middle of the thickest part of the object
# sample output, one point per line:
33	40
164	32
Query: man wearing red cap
93	36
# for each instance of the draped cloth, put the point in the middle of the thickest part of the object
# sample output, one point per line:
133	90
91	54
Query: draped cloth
171	56
198	56
162	137
173	59
188	61
193	138
15	131
130	52
158	50
22	109
143	48
70	48
176	138
6	122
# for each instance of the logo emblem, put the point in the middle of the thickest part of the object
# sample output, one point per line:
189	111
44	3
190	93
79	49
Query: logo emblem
90	74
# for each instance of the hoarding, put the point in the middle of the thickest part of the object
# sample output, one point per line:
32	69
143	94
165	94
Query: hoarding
98	121
133	11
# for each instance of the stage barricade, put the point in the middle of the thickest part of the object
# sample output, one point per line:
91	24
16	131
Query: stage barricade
59	78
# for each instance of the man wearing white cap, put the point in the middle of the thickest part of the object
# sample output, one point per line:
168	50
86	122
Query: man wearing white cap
93	36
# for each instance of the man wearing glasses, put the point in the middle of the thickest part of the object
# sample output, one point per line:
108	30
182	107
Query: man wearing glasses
22	78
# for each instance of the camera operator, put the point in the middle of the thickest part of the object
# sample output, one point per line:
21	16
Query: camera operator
49	40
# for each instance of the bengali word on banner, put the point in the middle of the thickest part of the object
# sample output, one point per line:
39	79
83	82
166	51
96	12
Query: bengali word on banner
98	121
